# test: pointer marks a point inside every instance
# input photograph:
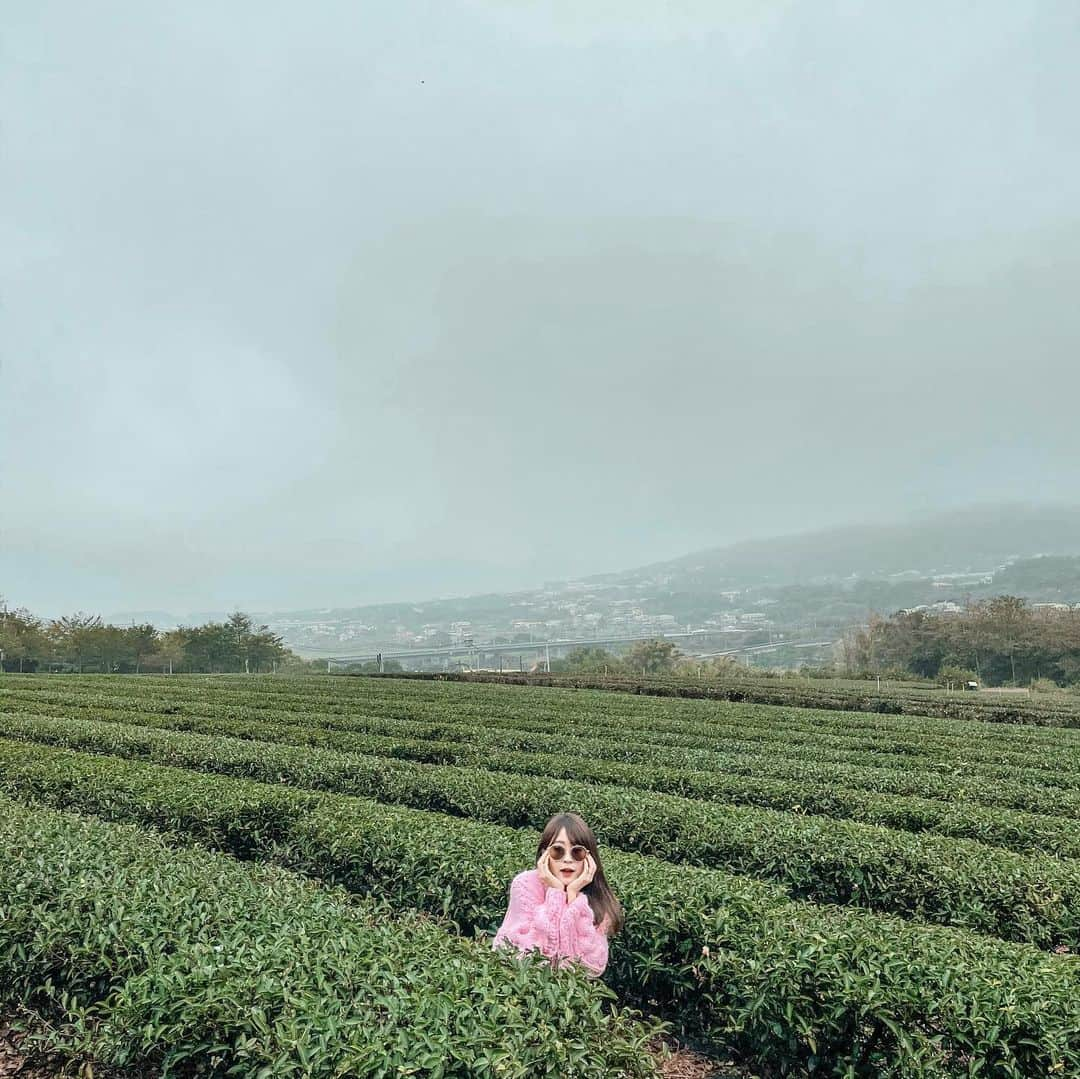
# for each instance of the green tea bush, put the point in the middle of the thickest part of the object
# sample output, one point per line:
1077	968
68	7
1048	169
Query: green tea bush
143	954
1016	771
800	988
898	701
1031	898
225	698
955	778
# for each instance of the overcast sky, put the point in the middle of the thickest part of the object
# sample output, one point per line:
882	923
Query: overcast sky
333	303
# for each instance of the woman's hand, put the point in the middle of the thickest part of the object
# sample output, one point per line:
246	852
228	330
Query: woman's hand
543	867
577	885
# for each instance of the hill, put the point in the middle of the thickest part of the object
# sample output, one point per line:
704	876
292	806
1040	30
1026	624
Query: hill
970	540
806	585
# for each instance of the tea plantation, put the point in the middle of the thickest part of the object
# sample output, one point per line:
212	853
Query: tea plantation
261	877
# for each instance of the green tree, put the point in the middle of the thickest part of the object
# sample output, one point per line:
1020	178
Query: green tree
1009	619
955	677
587	659
209	648
24	642
113	649
171	653
652	657
76	638
725	667
142	642
264	650
239	627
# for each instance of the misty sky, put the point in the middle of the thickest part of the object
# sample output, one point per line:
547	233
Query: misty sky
325	304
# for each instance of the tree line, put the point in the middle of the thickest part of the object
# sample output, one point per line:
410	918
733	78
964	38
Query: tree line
83	643
645	658
998	641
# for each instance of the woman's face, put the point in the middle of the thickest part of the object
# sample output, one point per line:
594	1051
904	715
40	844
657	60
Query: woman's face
565	868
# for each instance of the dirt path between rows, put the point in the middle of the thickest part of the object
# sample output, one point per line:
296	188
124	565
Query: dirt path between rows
18	1059
685	1063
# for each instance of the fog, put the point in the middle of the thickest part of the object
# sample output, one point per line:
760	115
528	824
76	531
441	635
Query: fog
341	303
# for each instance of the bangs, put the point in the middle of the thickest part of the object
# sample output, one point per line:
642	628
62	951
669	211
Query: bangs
577	831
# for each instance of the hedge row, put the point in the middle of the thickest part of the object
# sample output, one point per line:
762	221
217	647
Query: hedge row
144	954
896	705
1035	789
997	826
781	731
802	989
394	695
958	778
399	697
952	882
860	700
1003	786
835	698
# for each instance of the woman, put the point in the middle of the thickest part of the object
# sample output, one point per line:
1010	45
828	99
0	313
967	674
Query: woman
564	906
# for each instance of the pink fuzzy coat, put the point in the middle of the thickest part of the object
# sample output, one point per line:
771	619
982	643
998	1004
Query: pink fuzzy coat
540	917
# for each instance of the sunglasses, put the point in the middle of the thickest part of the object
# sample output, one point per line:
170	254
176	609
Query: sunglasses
577	852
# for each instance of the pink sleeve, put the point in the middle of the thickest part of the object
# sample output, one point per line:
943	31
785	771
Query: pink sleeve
582	940
533	918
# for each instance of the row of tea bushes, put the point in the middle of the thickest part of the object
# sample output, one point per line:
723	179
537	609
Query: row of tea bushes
919	736
1015	817
1001	826
952	882
1014	829
859	865
385	698
1036	790
900	702
140	954
893	701
1029	790
517	692
802	989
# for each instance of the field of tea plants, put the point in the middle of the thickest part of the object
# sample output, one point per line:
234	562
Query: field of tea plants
259	876
1058	708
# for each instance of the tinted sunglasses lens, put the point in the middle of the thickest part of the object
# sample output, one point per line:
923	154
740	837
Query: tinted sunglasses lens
558	852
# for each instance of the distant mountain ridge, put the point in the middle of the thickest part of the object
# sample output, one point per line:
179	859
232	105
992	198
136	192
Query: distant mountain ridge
961	541
968	540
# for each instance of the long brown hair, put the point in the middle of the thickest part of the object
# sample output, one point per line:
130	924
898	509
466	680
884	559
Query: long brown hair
598	892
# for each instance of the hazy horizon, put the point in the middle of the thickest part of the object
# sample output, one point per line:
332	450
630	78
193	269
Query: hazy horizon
319	307
757	544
